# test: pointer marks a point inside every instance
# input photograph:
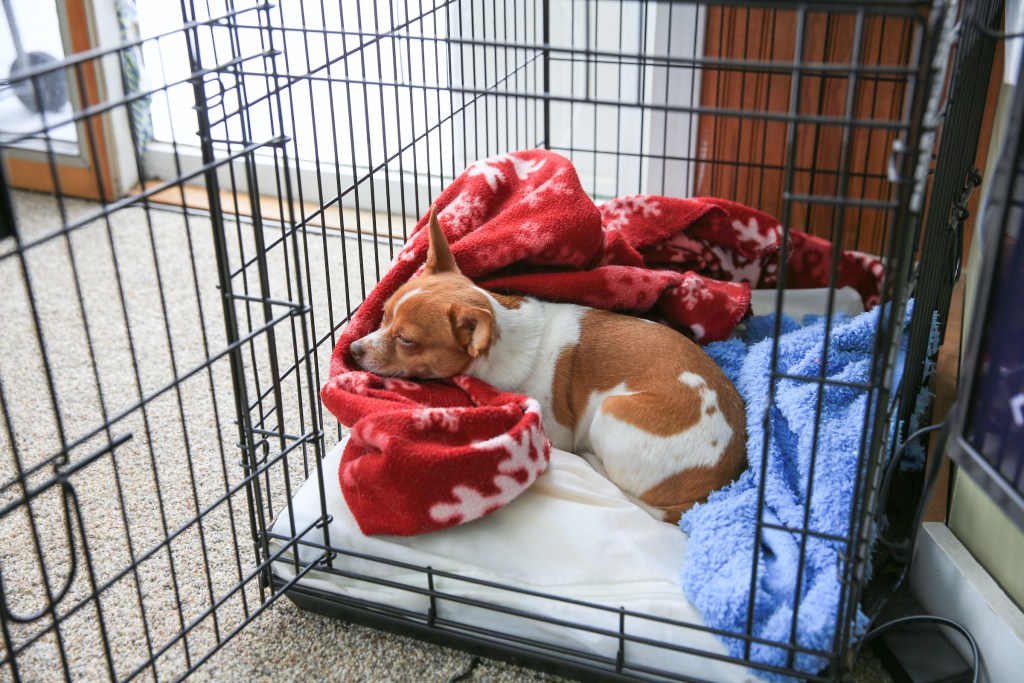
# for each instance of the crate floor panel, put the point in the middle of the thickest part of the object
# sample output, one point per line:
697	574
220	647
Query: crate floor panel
552	568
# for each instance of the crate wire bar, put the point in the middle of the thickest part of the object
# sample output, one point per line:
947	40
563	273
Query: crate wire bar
173	320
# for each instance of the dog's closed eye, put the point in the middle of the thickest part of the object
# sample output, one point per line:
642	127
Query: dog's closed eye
406	343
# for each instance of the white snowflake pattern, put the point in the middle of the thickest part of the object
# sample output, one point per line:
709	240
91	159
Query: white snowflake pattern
649	207
685	242
492	172
471	503
523	167
751	232
408	253
532	407
872	263
367	433
463	214
692	291
464	382
445	418
560	254
622	211
351	382
398	384
489	170
554	185
736	267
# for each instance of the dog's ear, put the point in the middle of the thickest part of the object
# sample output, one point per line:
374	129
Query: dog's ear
472	326
439	255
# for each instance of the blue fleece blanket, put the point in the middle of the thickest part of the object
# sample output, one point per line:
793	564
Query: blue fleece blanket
719	557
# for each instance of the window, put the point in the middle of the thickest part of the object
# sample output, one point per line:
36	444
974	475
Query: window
409	85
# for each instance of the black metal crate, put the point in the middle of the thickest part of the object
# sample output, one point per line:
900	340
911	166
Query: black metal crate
166	336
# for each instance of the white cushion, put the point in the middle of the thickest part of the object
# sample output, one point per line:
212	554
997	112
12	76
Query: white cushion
797	303
572	534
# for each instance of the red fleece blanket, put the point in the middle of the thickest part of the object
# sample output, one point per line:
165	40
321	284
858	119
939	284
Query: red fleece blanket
426	455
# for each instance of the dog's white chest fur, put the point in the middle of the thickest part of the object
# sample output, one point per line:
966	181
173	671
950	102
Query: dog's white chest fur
525	354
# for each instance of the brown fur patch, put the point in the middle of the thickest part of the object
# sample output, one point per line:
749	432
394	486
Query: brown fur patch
617	349
665	411
681	491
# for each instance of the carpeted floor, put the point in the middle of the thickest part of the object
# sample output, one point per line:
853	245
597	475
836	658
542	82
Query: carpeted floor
126	310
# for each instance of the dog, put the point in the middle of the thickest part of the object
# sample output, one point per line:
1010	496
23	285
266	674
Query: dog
643	404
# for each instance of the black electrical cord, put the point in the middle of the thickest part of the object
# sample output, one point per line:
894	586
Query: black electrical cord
890	472
931	618
931	476
994	34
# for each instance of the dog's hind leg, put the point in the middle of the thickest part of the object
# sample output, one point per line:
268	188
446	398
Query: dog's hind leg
664	456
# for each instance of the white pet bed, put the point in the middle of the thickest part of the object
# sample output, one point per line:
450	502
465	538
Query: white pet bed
572	535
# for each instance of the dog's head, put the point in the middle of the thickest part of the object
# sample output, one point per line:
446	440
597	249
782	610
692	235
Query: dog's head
434	325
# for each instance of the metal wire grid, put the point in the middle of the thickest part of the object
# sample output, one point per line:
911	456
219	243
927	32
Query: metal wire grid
955	178
119	460
271	282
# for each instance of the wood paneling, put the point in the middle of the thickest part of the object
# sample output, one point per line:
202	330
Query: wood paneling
828	150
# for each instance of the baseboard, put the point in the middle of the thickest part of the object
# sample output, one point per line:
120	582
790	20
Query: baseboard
949	582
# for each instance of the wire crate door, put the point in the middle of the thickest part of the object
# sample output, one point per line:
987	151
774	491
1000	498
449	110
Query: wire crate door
158	381
264	255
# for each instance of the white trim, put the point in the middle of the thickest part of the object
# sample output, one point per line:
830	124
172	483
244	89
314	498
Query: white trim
161	165
120	147
676	87
949	582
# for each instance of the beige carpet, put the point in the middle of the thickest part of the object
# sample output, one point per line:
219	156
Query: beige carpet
128	308
178	461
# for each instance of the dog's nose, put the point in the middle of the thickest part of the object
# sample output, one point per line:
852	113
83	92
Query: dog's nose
357	349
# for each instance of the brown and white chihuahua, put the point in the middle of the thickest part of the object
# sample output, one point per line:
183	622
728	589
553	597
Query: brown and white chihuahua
643	404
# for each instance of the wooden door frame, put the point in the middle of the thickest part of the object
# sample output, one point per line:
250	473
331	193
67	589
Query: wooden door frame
89	174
